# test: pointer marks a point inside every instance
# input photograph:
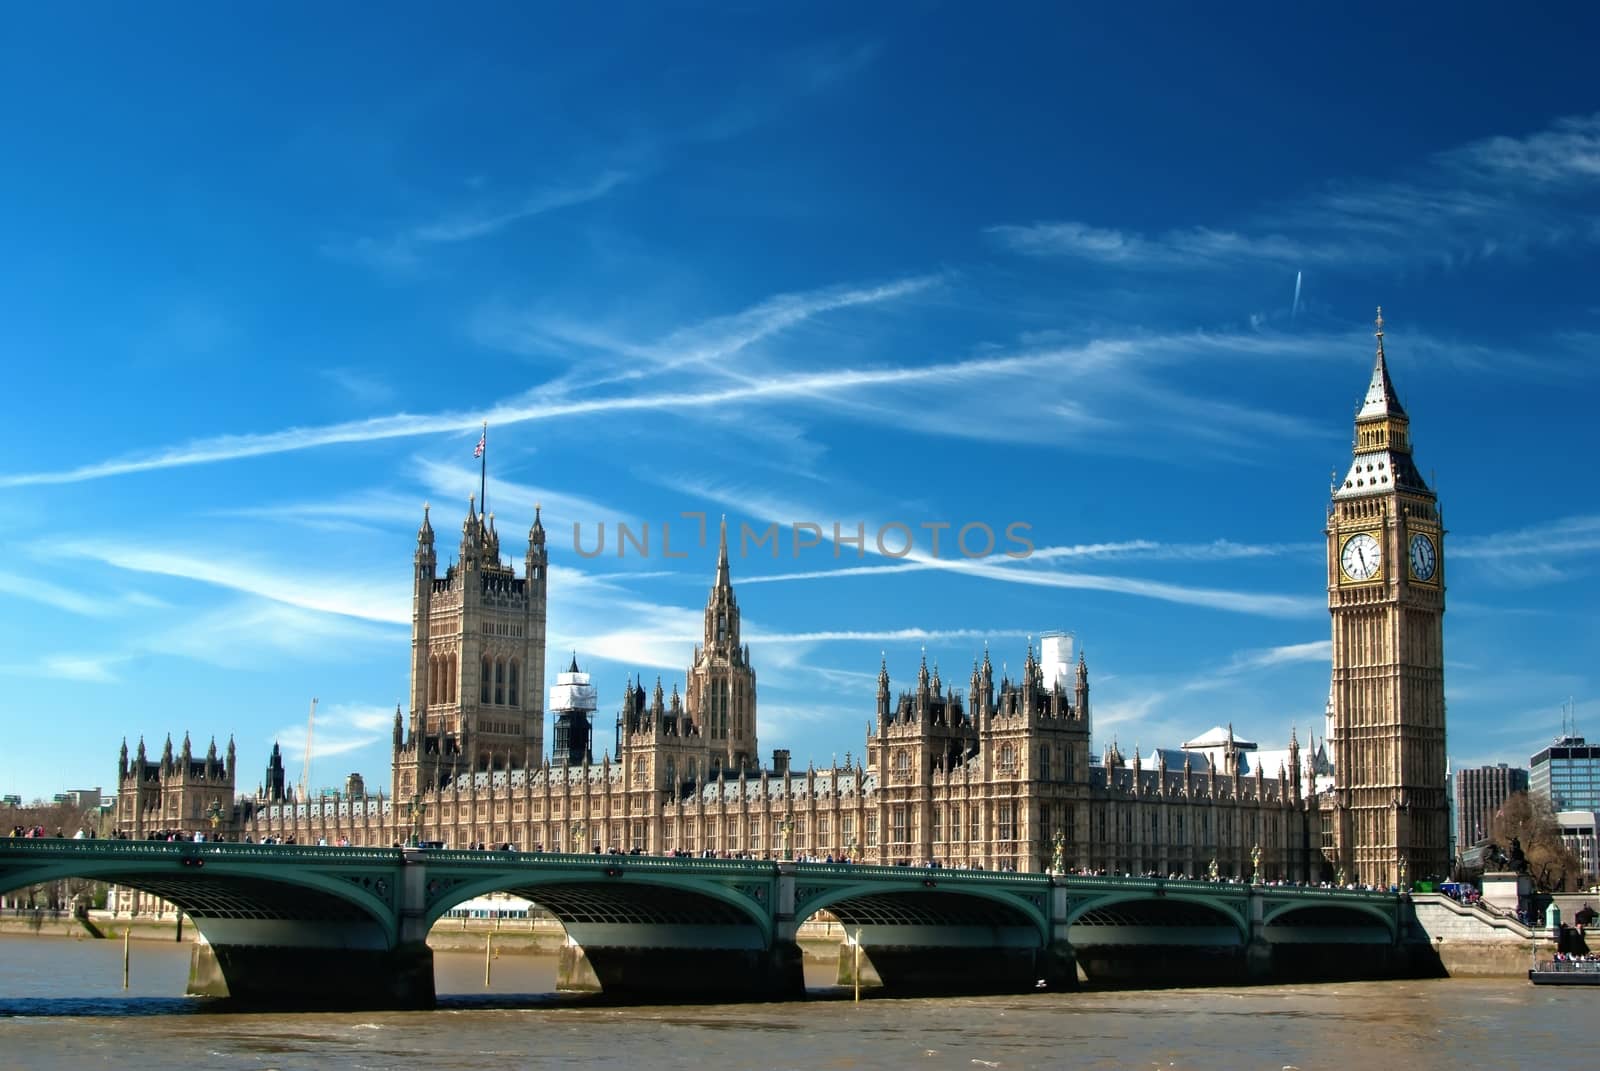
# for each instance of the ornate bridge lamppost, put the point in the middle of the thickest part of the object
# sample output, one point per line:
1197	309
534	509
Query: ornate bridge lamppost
1255	865
854	848
414	811
214	815
577	831
1212	873
1402	874
786	827
1058	858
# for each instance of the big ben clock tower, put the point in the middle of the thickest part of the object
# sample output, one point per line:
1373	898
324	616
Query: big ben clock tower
1387	818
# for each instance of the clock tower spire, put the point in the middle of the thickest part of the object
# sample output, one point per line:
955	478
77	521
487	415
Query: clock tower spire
1387	817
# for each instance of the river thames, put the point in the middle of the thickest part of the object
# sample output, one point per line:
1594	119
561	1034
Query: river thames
62	1007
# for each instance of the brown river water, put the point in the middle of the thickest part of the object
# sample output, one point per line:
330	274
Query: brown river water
62	1008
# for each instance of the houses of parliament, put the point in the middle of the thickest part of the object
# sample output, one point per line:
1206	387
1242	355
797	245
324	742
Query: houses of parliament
999	775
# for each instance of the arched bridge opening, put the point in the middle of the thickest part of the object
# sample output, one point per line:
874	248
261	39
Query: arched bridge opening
650	936
1168	940
1160	922
1324	941
923	938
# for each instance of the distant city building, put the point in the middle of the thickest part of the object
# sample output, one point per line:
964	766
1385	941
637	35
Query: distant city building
1578	830
1000	775
1567	774
1450	794
84	799
1479	793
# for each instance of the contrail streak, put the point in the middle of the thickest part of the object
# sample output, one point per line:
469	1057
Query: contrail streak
1294	310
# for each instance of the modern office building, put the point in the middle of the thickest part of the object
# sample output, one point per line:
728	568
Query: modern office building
1578	830
1567	773
1479	793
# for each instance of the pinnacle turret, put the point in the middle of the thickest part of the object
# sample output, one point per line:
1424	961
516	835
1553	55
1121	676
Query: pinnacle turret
536	532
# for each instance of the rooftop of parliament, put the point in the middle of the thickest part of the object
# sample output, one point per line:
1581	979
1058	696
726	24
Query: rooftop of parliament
1001	774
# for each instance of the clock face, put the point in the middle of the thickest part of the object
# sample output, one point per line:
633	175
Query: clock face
1361	557
1424	559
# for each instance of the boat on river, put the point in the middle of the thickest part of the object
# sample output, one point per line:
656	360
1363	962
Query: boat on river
1565	972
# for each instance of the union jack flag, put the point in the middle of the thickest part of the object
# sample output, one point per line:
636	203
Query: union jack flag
477	451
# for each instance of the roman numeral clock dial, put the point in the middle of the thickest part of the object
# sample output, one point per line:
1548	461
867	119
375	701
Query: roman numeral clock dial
1361	557
1424	559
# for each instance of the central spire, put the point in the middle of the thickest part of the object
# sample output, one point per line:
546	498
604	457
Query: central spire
722	556
1382	444
1381	400
722	606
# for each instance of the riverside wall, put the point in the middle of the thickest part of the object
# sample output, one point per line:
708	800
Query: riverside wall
1472	943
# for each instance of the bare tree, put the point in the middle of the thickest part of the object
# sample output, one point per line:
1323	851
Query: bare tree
56	820
1528	822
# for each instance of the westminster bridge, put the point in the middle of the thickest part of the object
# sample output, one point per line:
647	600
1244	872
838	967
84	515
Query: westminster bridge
347	927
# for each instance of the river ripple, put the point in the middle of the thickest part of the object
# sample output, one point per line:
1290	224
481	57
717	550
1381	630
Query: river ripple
62	1008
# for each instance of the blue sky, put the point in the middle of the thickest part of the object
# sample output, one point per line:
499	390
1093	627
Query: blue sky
264	273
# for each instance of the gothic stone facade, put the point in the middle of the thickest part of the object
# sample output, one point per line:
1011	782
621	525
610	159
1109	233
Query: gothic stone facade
1001	776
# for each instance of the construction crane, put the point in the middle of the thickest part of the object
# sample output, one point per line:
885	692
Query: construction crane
305	766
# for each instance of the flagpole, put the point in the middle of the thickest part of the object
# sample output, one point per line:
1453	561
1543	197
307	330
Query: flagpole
483	472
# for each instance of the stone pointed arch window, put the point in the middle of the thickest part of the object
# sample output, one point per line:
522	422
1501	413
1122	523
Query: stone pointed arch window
512	695
1008	757
483	680
902	765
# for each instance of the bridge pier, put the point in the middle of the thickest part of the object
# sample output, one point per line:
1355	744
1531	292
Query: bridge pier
320	978
679	973
1257	949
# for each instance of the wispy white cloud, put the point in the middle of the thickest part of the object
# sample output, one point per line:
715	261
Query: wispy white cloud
1190	247
339	728
1167	711
404	250
896	635
1495	197
255	633
509	498
81	668
363	387
37	590
1287	654
372	599
87	668
996	567
360	512
822	389
1563	537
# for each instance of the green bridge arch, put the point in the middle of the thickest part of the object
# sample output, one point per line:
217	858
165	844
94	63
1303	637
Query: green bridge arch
750	910
1027	910
192	869
1223	909
1386	918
